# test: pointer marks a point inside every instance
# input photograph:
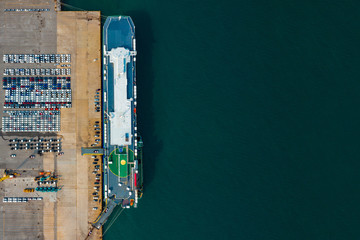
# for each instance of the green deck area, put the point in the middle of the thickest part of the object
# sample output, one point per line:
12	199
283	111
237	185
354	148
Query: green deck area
123	164
119	165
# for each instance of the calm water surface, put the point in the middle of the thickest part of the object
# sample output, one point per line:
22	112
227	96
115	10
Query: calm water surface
249	112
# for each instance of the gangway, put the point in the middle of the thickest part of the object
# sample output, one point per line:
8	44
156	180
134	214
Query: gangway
92	151
105	214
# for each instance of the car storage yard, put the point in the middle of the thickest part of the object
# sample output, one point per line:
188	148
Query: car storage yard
31	40
23	33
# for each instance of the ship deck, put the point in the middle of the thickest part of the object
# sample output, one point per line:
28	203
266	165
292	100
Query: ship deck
118	32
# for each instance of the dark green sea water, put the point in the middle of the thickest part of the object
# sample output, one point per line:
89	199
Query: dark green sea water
249	112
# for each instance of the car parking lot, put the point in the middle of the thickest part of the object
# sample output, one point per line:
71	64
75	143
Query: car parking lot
31	121
40	145
37	92
32	33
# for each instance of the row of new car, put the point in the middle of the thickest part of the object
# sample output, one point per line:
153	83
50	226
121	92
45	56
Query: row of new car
32	113
21	199
37	58
36	86
43	144
35	140
40	150
29	105
49	80
34	83
97	101
29	97
37	71
97	178
29	128
26	9
97	134
31	123
39	96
